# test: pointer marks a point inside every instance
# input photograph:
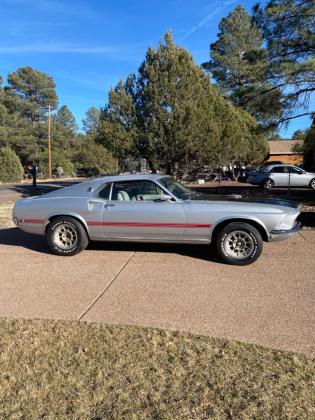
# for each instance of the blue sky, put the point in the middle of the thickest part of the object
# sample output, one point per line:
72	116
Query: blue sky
87	46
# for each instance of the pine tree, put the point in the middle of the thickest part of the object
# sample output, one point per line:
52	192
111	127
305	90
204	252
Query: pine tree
117	124
239	66
30	92
171	115
309	148
93	159
91	120
288	26
65	118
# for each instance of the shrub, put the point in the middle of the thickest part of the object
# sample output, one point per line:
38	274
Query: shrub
11	169
66	166
92	159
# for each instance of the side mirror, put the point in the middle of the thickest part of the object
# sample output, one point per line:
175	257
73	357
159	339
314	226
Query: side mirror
164	197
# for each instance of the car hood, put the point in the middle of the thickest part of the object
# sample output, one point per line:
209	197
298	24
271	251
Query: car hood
245	199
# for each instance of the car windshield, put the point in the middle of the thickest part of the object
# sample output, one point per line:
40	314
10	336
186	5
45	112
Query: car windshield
264	168
176	188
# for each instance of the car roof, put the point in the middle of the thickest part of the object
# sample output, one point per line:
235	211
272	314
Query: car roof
133	177
274	165
90	186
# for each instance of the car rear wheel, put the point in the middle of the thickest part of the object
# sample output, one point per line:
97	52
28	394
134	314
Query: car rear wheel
312	184
239	243
268	184
66	236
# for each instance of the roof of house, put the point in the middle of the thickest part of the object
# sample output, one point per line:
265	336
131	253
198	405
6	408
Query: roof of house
283	147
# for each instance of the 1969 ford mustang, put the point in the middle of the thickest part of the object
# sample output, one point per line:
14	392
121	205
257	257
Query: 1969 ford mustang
155	208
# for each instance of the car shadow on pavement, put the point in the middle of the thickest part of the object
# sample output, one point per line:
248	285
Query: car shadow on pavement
15	237
200	252
37	243
307	219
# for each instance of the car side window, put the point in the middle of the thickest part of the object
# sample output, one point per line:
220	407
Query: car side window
279	170
293	170
142	190
104	192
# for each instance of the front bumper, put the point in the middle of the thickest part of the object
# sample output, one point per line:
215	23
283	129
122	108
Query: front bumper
281	235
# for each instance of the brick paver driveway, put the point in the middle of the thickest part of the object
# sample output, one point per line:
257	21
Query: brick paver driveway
180	287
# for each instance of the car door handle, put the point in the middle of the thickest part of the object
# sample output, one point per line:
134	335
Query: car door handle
109	205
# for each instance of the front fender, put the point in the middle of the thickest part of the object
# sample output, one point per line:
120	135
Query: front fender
260	226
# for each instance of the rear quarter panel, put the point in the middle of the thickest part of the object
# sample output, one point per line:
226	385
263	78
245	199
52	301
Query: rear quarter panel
34	214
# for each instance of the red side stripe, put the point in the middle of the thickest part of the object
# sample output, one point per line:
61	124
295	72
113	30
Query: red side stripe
133	224
144	224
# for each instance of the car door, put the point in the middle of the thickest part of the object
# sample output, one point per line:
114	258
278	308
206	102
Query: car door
95	211
135	211
296	177
279	175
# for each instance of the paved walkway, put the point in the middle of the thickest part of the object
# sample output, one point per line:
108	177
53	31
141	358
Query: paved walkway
179	287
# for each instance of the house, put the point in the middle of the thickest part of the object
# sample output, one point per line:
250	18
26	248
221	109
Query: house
286	151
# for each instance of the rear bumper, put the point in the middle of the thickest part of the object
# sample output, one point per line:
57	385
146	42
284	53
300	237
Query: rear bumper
281	235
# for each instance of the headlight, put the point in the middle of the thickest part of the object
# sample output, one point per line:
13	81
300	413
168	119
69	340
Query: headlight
287	222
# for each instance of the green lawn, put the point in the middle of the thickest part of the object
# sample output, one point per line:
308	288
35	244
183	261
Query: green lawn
77	370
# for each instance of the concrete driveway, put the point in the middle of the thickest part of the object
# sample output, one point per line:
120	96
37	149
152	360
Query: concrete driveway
178	287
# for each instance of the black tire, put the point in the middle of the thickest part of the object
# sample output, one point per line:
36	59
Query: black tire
66	236
312	184
267	184
249	243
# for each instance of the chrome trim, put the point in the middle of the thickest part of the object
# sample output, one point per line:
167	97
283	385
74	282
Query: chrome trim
294	229
281	235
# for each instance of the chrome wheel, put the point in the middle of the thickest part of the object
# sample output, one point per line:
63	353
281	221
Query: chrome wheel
312	184
268	183
65	236
239	244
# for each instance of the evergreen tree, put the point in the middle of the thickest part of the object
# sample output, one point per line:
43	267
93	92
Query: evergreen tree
30	92
93	159
117	126
299	135
15	132
240	67
65	118
174	104
288	26
309	148
91	120
171	115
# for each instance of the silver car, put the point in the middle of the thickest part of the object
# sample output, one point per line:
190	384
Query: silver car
270	176
155	208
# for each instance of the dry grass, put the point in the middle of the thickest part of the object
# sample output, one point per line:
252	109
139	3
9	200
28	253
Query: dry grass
77	370
6	215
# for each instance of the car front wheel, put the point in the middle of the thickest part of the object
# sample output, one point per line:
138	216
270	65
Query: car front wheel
239	243
268	184
66	236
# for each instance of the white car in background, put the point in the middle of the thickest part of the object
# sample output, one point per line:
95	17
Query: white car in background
270	176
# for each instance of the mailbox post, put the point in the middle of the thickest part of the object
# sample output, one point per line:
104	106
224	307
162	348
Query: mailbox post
34	170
